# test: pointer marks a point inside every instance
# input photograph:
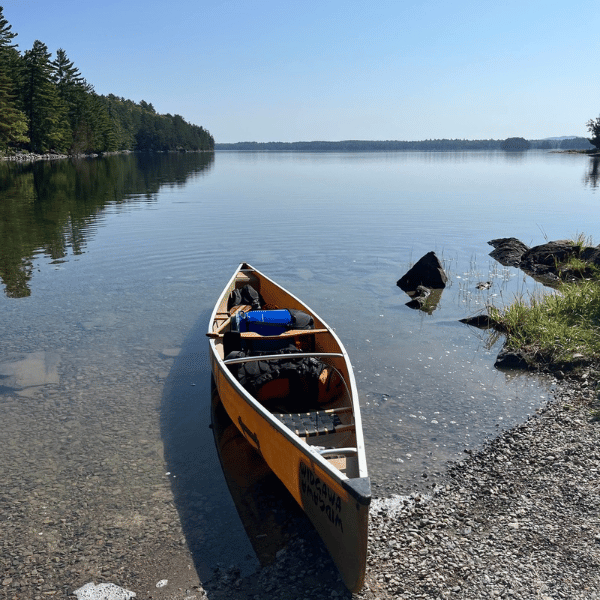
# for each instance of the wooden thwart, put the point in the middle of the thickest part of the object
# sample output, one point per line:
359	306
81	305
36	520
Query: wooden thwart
251	334
285	334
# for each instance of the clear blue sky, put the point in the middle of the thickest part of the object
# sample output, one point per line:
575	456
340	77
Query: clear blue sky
263	70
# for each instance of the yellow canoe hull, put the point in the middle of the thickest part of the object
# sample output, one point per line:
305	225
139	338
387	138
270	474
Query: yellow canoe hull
337	504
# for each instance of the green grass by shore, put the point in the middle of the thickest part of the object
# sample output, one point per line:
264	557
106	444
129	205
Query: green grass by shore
560	329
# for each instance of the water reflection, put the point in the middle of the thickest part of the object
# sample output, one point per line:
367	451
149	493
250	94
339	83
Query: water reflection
515	155
593	173
269	514
49	207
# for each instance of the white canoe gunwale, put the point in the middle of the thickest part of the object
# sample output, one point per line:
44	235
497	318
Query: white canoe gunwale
311	477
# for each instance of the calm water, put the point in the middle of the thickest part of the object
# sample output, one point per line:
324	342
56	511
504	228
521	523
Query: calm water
111	257
111	266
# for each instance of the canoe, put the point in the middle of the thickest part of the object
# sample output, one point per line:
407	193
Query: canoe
309	432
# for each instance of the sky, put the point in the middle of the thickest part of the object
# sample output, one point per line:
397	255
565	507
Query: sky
304	70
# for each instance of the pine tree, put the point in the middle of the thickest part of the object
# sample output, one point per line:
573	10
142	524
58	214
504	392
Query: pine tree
47	112
66	75
13	122
73	90
6	35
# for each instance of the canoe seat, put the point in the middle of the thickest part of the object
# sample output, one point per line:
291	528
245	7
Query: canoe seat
313	423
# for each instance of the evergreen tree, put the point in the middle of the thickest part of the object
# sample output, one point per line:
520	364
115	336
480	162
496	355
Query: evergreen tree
47	112
46	105
13	122
6	35
75	93
66	75
10	60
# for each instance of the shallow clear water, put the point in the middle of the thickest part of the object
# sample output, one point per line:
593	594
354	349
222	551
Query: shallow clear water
110	268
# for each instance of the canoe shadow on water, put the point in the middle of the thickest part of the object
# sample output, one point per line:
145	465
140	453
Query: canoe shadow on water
245	532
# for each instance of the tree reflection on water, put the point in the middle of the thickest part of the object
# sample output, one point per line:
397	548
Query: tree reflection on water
48	207
592	174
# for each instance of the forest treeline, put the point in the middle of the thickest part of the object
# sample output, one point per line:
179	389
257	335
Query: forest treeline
47	106
577	143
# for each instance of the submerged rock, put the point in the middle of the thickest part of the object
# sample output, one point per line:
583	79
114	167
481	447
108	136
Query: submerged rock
481	322
425	299
509	359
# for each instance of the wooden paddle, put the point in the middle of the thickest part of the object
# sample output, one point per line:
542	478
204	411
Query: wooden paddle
236	309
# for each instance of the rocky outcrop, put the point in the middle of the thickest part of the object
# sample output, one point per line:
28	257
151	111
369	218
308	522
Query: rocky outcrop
508	251
549	262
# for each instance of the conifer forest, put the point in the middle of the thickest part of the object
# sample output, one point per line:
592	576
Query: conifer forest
47	106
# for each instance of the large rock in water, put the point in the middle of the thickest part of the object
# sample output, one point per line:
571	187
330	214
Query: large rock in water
549	254
547	263
508	251
543	262
427	272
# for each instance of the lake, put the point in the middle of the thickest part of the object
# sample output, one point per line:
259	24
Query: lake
110	268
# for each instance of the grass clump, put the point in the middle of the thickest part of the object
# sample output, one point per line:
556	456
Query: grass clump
575	268
560	329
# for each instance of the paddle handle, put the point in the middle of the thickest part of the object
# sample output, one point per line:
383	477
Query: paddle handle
217	332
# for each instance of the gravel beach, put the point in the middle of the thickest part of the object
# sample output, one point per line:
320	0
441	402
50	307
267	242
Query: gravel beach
519	519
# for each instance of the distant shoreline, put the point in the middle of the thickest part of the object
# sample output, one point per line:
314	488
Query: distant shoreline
440	145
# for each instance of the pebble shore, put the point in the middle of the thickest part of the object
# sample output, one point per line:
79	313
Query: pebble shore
518	519
30	156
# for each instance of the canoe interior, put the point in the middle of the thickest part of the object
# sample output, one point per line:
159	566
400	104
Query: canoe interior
338	407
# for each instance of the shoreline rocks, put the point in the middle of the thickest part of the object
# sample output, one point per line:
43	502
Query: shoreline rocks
547	263
30	157
551	263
